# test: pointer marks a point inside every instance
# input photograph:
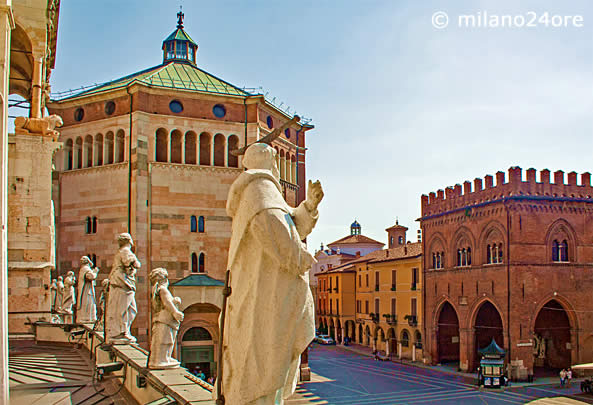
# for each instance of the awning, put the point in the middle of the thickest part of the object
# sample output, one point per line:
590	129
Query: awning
585	366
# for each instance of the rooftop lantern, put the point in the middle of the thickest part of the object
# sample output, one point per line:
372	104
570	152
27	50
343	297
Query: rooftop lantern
179	46
355	228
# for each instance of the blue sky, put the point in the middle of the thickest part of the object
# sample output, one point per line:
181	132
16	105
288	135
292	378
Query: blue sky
400	108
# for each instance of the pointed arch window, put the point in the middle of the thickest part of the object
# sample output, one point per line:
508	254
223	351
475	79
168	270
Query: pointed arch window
201	263
201	224
193	224
560	251
194	263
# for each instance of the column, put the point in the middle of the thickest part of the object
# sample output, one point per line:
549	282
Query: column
387	348
6	25
226	163
35	111
413	351
183	149
212	151
399	350
197	149
169	147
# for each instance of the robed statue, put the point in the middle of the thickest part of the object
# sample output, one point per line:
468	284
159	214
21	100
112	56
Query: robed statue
270	316
121	301
87	306
166	318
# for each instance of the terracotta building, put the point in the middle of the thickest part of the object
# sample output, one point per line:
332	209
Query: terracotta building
150	154
513	261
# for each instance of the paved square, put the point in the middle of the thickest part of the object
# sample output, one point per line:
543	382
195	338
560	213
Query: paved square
346	378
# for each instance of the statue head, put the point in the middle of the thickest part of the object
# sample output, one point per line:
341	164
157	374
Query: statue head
261	156
158	275
60	278
105	283
85	260
124	239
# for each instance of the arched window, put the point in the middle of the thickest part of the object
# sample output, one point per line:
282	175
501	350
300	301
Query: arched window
194	263
120	149
205	140
400	240
196	334
219	148
418	339
190	148
88	225
78	153
405	338
282	165
161	145
88	151
499	253
201	263
201	224
468	257
68	155
94	225
193	224
489	259
176	146
560	251
109	148
98	150
294	169
233	143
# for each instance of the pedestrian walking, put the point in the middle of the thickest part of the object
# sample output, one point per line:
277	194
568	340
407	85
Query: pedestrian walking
568	376
562	377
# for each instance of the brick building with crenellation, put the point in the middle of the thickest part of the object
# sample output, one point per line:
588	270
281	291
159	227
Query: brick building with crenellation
511	261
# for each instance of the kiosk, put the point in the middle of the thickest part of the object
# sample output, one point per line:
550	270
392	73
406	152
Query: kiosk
492	365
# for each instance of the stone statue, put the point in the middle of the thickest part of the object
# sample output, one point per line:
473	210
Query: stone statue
59	294
53	288
121	301
270	316
69	297
40	126
87	307
166	318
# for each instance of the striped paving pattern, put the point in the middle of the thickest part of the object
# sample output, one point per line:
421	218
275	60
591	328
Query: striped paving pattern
345	378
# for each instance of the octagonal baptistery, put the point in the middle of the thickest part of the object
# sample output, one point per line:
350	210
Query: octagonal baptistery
149	153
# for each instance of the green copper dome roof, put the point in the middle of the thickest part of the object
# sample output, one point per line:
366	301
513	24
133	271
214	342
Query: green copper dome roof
177	75
180	35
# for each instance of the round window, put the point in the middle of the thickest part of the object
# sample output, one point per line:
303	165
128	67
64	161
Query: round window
287	133
79	114
270	122
109	107
219	111
176	106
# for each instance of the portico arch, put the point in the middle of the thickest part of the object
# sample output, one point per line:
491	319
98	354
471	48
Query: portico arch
447	334
487	325
552	335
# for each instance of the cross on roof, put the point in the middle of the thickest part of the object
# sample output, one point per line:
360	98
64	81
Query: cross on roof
180	16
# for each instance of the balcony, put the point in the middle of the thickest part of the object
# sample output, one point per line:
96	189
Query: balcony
392	287
336	289
412	320
414	287
374	317
391	319
376	288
